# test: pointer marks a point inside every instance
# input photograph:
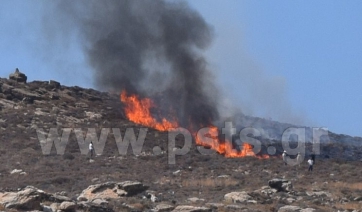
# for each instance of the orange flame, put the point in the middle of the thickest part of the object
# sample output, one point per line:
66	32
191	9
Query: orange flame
211	140
138	111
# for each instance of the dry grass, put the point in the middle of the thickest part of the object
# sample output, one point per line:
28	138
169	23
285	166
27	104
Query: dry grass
349	206
344	189
210	182
344	185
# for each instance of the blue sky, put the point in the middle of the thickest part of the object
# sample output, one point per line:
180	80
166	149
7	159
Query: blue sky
293	61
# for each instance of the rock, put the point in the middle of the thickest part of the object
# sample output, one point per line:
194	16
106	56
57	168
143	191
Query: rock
54	206
102	191
238	197
290	200
357	198
58	198
95	180
308	210
268	191
54	96
28	100
176	172
319	194
281	184
195	199
151	195
111	190
16	171
163	208
27	199
47	209
18	76
54	84
188	208
81	105
67	206
100	202
19	93
252	201
235	207
92	115
132	187
93	207
214	205
289	208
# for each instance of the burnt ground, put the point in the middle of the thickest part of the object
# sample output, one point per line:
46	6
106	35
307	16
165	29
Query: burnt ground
209	177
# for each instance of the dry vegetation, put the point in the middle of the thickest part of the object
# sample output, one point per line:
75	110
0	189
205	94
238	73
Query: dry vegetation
193	175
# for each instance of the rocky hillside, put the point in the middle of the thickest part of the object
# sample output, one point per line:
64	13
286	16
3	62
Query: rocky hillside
31	180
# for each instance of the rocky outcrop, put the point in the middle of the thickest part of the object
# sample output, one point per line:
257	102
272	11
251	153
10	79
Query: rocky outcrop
111	190
94	198
238	197
28	198
281	184
67	206
18	76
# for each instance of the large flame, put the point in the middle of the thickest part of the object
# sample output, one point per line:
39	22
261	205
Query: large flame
138	111
211	140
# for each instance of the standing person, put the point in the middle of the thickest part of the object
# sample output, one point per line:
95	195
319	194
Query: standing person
313	157
310	162
284	156
91	149
299	159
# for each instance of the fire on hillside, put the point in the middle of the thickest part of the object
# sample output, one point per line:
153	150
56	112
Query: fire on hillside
138	110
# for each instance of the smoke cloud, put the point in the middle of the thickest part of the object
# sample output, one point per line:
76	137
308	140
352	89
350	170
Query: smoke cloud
151	48
247	85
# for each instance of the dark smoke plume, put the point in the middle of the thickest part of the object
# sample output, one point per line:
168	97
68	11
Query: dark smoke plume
149	47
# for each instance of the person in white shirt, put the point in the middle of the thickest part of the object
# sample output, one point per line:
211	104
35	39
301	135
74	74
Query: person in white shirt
310	162
284	156
299	159
91	149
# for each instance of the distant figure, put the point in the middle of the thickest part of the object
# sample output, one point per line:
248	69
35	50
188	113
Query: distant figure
299	159
310	162
313	157
91	149
284	156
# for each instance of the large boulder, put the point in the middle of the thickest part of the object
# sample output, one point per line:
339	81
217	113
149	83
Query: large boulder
238	197
67	206
28	198
111	190
281	184
18	76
